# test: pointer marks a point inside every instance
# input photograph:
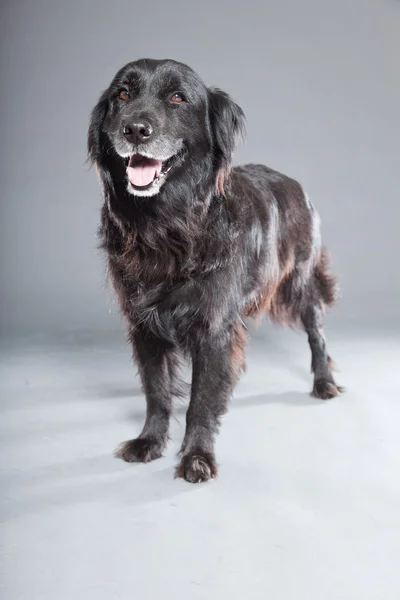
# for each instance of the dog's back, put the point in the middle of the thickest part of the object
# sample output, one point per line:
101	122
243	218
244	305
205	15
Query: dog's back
281	238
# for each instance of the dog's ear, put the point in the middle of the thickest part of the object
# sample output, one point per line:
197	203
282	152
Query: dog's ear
228	125
96	135
97	143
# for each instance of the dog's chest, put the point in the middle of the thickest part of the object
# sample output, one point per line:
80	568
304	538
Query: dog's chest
167	311
170	291
162	297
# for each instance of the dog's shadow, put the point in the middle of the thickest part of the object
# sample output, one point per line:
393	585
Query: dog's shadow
290	399
109	392
98	480
105	479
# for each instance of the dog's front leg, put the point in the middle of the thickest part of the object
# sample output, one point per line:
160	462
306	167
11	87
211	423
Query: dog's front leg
216	360
157	368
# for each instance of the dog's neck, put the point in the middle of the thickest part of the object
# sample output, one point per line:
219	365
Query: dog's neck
164	235
177	202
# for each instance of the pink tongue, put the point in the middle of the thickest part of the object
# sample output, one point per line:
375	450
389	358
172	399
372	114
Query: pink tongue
142	172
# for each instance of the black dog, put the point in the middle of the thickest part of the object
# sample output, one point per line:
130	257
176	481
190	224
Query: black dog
194	247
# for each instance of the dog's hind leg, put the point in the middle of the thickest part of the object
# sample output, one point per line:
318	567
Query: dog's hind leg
321	363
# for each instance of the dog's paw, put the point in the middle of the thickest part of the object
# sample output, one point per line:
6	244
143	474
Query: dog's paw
140	450
326	389
197	467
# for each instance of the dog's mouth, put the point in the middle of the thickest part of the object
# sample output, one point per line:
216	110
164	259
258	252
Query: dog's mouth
144	172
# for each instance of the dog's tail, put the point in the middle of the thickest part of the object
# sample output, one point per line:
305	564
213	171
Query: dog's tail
326	282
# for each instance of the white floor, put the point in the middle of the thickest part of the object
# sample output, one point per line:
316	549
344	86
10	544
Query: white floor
307	505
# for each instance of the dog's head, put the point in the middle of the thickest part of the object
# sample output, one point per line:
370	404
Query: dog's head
157	121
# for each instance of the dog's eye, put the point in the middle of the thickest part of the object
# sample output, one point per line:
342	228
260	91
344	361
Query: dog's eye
177	98
124	95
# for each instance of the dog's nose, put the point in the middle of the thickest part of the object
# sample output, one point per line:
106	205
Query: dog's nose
138	132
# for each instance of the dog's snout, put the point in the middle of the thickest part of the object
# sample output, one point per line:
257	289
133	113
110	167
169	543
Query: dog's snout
138	132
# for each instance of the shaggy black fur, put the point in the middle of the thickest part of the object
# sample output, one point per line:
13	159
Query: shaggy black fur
195	251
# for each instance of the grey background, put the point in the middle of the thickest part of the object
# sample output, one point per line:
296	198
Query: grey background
306	506
318	81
